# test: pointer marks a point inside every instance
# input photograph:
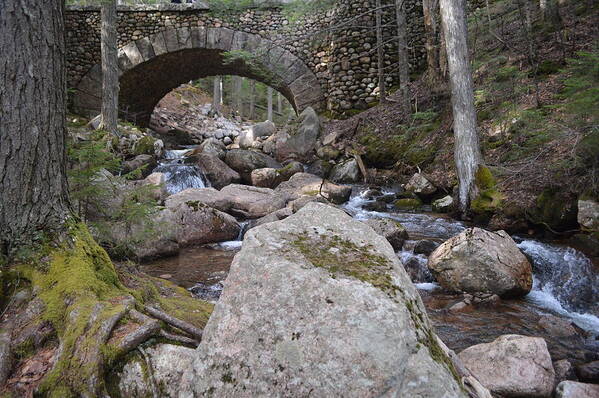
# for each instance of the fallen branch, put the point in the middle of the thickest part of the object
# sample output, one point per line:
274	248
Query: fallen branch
184	326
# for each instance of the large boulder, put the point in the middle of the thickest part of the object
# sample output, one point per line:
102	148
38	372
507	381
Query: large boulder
419	185
391	230
482	261
199	196
301	143
156	182
308	184
346	172
216	171
572	389
253	202
264	129
244	162
159	370
588	214
213	146
318	304
512	366
271	178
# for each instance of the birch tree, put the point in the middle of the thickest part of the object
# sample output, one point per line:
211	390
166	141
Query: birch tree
269	98
467	148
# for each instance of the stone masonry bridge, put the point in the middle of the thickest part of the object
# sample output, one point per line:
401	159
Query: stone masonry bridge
165	45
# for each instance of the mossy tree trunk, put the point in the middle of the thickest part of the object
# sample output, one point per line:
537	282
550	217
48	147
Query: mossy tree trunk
33	186
110	72
466	147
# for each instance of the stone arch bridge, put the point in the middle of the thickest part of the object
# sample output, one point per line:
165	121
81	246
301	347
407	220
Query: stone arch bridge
163	46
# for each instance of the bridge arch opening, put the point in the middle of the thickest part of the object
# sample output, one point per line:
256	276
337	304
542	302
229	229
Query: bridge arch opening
153	66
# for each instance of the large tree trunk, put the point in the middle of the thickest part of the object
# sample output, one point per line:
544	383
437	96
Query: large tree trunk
269	102
110	71
33	187
402	50
380	51
467	149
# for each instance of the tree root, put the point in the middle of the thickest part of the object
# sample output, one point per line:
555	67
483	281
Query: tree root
179	324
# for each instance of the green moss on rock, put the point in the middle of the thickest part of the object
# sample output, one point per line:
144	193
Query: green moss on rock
489	198
408	204
145	146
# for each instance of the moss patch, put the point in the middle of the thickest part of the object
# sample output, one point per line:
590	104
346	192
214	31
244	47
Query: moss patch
489	198
145	146
342	257
408	204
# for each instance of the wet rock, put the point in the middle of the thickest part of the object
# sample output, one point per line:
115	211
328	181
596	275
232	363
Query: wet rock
443	205
253	202
419	185
372	193
200	196
408	204
301	184
158	371
300	145
512	366
564	371
377	205
213	146
588	372
557	326
244	162
481	261
393	231
588	214
316	307
145	164
572	389
486	298
418	271
459	307
216	171
425	247
346	172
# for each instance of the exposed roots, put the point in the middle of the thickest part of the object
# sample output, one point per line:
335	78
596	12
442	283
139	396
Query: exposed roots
82	319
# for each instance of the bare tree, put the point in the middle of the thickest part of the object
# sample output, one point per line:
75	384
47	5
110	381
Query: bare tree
403	57
467	148
380	51
435	54
110	71
217	93
252	99
237	85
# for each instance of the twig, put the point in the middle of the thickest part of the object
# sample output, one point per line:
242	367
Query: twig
178	323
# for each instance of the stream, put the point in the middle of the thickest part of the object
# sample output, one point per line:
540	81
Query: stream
565	282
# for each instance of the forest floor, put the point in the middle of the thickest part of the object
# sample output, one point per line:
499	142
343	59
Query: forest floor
544	155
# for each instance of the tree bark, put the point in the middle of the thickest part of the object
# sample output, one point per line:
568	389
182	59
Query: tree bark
279	103
402	50
380	51
33	186
467	150
110	71
269	102
430	9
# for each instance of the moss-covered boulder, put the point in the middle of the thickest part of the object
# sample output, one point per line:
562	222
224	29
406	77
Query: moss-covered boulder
338	314
408	204
144	146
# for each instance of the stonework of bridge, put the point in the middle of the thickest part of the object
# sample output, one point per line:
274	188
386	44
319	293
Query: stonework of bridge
312	63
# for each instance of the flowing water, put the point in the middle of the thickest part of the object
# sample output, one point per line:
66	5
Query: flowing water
566	286
180	176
